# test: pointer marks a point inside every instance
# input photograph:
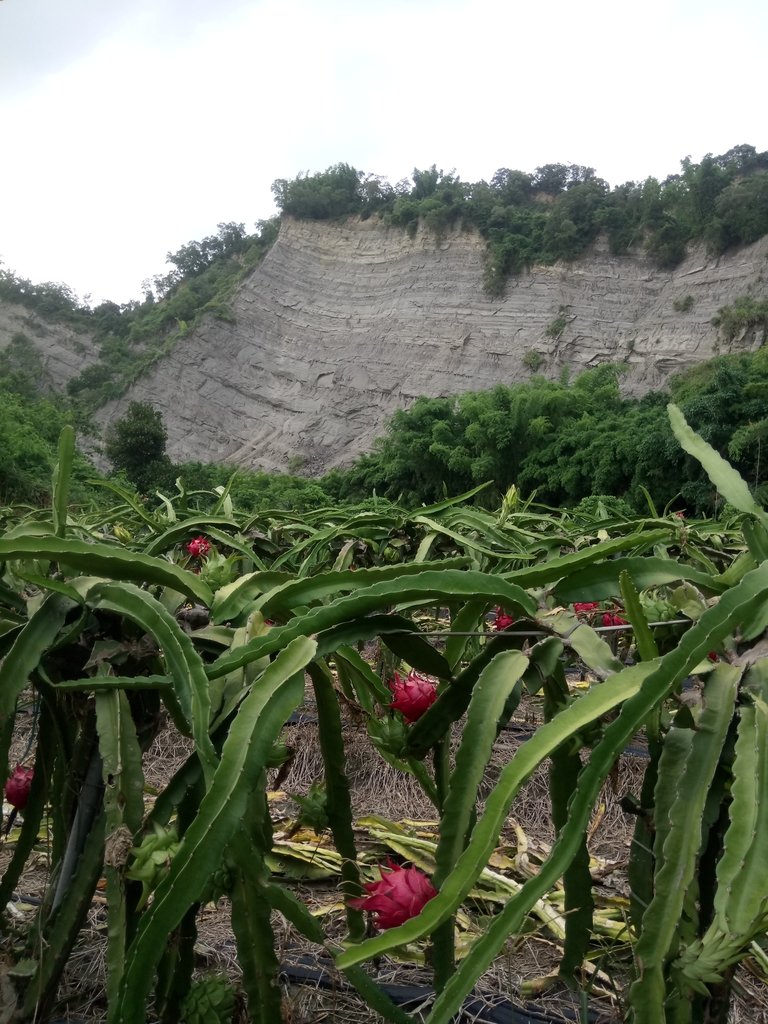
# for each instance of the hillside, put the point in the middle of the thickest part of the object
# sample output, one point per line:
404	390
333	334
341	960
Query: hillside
345	322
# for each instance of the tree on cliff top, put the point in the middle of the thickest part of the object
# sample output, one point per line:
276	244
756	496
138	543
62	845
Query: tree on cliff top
336	192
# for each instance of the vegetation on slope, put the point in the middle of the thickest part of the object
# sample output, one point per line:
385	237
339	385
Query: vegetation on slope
566	440
570	439
557	211
30	424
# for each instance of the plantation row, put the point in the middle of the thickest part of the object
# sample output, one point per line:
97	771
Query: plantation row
116	622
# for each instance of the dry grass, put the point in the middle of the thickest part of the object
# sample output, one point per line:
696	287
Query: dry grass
168	752
377	788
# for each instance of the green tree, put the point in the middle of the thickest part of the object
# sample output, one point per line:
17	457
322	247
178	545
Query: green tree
336	192
417	452
741	213
513	187
26	457
135	445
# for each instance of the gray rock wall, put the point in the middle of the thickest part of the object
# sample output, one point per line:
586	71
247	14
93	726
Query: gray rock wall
64	352
342	324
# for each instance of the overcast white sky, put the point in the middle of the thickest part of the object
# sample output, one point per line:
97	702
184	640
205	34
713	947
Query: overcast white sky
130	128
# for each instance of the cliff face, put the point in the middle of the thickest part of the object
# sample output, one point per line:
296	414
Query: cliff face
342	324
63	352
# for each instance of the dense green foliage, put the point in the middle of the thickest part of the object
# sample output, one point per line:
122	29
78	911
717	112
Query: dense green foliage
30	424
569	439
49	300
135	445
557	211
565	440
254	491
28	433
21	368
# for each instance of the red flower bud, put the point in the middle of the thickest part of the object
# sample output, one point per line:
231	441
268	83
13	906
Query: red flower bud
397	897
680	514
610	619
412	696
198	547
502	620
17	787
583	607
713	656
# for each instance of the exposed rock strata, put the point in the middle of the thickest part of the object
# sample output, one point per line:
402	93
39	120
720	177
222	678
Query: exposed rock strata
342	324
64	352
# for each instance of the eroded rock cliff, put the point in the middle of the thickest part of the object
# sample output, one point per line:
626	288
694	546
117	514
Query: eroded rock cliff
61	351
342	324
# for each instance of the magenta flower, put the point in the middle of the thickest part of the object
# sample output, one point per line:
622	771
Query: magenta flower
18	785
412	695
397	897
502	620
584	607
199	547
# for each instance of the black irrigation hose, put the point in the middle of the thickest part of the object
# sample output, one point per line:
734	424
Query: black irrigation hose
308	970
20	897
496	1010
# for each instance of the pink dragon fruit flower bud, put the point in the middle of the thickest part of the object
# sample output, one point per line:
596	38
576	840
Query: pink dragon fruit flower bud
502	620
397	897
611	619
198	547
412	695
18	785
